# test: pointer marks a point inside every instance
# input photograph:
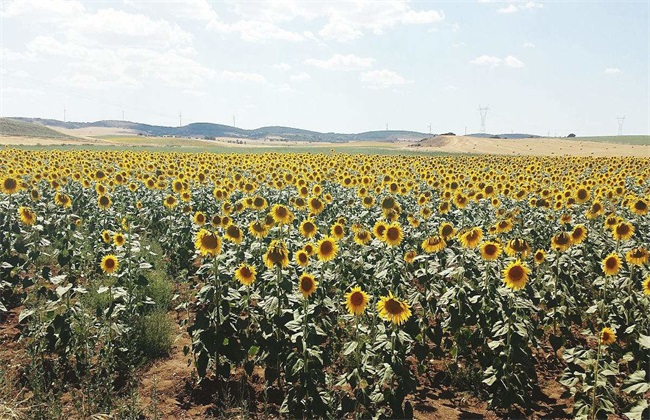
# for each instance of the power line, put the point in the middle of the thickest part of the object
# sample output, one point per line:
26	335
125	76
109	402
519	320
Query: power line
483	111
620	120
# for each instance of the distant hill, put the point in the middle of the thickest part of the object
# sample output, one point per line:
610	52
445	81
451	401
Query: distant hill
209	130
22	128
505	136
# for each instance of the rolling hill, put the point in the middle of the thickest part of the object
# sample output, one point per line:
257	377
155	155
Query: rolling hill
22	128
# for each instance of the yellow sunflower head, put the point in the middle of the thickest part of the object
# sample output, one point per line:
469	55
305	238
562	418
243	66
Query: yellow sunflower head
392	309
326	249
337	231
490	250
646	286
110	264
447	231
515	275
356	301
208	243
104	202
307	285
623	231
10	185
245	274
362	237
611	264
637	256
409	256
199	218
308	228
27	216
471	238
561	241
302	258
607	336
119	239
276	255
539	257
234	234
433	244
393	234
578	234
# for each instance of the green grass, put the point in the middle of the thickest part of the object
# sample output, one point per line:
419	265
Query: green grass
635	140
9	127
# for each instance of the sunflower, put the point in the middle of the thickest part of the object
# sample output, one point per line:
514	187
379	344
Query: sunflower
104	202
379	229
326	249
170	202
515	275
276	255
281	214
433	244
578	234
199	218
27	216
106	236
393	235
110	264
208	243
258	229
337	231
409	256
362	237
447	231
561	241
316	206
234	234
308	228
302	258
119	239
539	257
10	185
504	226
646	286
307	285
356	301
639	206
490	250
611	264
471	238
637	256
623	231
245	274
392	309
309	248
518	246
607	336
62	200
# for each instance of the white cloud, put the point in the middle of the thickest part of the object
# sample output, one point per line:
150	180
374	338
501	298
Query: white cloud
512	61
301	77
491	61
282	66
457	44
341	62
255	30
39	8
237	76
613	70
529	45
340	30
510	9
380	79
513	8
487	61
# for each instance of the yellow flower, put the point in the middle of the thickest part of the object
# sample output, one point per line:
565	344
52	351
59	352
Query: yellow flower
337	231
623	231
447	231
607	336
433	244
393	235
362	237
170	202
110	264
276	255
104	202
471	238
307	285
9	185
27	216
392	309
245	274
234	234
308	228
258	229
302	258
490	250
281	214
519	247
326	249
119	239
106	236
409	256
578	234
208	243
611	264
637	256
62	200
199	218
539	257
646	286
515	275
561	241
356	301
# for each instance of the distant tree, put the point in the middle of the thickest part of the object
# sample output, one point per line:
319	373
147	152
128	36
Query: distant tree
495	137
448	134
571	135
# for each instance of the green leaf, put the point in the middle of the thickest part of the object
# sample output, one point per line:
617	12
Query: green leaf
636	383
26	313
349	348
644	341
637	411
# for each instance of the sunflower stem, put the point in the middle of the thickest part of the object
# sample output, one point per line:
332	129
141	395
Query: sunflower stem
595	389
304	336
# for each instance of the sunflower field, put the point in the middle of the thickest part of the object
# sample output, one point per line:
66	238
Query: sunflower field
344	282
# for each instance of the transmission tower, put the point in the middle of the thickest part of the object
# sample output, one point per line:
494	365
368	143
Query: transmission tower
483	111
621	120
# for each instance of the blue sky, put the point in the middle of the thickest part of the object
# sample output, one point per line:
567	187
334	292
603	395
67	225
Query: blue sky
543	67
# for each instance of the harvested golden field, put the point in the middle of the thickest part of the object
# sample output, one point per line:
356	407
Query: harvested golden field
144	284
